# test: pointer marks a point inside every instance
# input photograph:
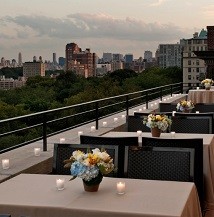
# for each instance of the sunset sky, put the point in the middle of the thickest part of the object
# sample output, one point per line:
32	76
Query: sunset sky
42	27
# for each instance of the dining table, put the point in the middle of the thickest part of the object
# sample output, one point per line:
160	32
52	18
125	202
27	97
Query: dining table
36	195
208	159
201	96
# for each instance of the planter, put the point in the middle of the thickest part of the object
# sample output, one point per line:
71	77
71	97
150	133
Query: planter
93	184
155	132
91	188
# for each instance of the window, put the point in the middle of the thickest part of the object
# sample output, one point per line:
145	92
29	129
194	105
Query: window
197	62
189	62
189	69
197	69
189	77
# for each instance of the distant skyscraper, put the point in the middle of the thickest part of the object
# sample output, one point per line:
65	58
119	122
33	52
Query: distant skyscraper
148	56
61	61
107	57
54	58
128	58
20	59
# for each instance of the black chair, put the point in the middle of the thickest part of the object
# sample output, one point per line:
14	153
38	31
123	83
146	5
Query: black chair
121	142
204	107
167	107
192	124
160	163
135	123
195	143
5	215
64	151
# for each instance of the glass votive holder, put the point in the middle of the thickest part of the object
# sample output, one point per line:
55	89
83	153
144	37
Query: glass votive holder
140	110
197	112
172	134
60	184
144	108
155	103
173	113
104	123
115	120
121	187
5	164
152	105
139	133
93	128
164	99
80	133
61	140
123	116
197	88
37	151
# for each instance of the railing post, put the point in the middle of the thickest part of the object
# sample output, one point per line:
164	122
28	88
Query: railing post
147	100
44	132
171	89
127	105
181	88
97	115
161	94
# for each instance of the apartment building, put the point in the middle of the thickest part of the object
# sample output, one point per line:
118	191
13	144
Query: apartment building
194	69
34	68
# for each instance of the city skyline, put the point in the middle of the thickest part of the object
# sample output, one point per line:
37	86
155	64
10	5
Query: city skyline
42	28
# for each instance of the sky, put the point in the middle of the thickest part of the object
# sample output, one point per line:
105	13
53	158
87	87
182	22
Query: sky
43	27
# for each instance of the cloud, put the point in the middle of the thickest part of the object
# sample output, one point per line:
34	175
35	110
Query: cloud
157	3
100	32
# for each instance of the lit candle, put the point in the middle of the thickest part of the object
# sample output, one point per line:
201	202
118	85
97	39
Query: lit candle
155	103
168	98
173	134
140	110
197	88
164	99
151	105
93	128
173	113
62	140
144	108
123	116
115	120
197	112
80	133
104	123
160	101
139	133
121	187
37	151
5	164
60	184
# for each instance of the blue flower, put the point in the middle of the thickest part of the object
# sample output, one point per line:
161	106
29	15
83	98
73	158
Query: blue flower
77	169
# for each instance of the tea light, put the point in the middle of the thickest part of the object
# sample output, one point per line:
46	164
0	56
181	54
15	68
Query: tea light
37	151
168	98
123	116
197	88
164	99
80	133
155	103
5	164
173	134
60	184
197	112
151	105
160	101
173	113
139	133
121	187
144	108
93	128
115	120
61	140
104	123
140	110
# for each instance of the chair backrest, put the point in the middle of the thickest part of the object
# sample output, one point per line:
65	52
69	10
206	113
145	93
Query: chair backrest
64	151
204	107
160	163
121	142
135	123
192	124
167	107
195	143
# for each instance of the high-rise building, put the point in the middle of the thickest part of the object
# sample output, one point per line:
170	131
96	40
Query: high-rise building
54	58
148	56
82	62
194	68
34	68
128	58
61	61
170	55
118	57
107	57
20	59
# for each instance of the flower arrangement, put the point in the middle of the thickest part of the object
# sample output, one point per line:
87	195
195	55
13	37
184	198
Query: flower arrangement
90	166
207	81
160	121
185	105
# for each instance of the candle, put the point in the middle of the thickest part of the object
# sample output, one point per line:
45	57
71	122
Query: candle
140	110
197	112
93	128
104	123
155	103
151	105
60	184
80	133
144	108
173	134
115	120
121	187
173	113
37	151
5	164
139	133
197	88
164	99
62	140
123	116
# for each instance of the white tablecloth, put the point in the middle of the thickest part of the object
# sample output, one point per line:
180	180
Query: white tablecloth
201	96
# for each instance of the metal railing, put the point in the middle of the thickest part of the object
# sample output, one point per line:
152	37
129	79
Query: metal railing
33	127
